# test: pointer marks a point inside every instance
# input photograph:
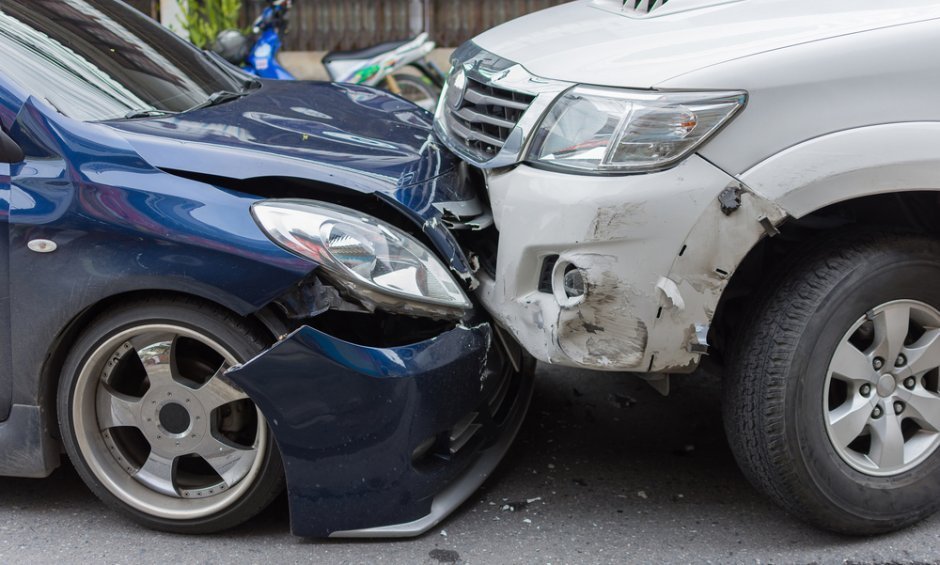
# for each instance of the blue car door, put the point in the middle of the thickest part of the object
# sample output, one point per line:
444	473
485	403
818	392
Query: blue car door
6	377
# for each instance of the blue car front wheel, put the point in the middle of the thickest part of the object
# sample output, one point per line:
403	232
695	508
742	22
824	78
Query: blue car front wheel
154	428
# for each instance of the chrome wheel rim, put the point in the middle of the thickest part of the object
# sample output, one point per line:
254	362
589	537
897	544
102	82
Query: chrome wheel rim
881	404
160	428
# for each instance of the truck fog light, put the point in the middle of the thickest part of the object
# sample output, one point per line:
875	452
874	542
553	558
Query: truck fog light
574	282
569	284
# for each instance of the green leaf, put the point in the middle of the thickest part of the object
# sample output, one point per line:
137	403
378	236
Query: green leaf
203	20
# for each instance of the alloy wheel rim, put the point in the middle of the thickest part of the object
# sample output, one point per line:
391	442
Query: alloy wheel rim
881	404
159	426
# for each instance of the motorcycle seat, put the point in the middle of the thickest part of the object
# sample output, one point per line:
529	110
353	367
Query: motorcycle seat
366	53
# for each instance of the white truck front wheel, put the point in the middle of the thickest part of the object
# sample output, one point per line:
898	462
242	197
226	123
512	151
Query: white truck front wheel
832	404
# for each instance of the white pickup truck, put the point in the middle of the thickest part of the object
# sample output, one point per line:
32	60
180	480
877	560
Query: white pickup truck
755	180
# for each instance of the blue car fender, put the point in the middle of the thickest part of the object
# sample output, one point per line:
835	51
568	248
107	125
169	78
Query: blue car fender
83	188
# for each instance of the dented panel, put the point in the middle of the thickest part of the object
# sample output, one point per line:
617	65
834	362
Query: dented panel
406	432
600	330
645	248
715	247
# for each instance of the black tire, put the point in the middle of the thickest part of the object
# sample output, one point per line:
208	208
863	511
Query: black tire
205	512
774	404
417	89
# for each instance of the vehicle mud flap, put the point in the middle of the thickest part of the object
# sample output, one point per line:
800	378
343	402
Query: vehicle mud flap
348	420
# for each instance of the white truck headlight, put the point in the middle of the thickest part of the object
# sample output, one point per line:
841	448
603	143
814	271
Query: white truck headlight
372	260
612	131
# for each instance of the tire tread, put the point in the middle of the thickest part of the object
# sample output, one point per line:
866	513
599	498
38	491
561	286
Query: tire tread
758	375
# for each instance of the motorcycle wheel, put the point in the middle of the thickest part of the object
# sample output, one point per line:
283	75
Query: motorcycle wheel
417	89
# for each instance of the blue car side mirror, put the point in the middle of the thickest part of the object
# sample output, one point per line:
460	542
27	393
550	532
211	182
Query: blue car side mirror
10	152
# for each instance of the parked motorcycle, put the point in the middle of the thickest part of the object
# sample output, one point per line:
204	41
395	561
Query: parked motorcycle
381	66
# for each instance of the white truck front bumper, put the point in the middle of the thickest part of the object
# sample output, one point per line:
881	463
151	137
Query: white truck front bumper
654	252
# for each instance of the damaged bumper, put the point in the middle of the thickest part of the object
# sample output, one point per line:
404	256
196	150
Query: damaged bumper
647	258
386	442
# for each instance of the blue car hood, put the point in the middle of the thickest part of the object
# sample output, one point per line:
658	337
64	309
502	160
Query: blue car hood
352	136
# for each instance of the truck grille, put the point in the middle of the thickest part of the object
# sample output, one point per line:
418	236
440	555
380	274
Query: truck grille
645	5
485	116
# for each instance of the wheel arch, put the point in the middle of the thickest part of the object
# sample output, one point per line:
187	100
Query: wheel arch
911	211
265	320
885	175
849	164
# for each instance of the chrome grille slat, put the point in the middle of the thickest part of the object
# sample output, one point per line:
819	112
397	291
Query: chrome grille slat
483	116
481	98
474	116
491	107
472	135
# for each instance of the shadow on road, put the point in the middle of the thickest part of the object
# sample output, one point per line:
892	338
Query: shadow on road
604	470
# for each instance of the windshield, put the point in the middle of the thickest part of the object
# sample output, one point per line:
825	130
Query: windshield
101	59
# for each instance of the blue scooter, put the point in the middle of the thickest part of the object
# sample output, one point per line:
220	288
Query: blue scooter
262	60
374	66
259	58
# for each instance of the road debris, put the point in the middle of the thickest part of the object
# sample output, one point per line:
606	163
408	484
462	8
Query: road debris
620	400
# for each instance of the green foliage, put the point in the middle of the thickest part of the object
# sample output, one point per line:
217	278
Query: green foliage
204	19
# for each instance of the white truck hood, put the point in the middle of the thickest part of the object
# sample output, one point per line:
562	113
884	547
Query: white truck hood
604	42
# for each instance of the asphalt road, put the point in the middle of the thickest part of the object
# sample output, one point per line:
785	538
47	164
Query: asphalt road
604	471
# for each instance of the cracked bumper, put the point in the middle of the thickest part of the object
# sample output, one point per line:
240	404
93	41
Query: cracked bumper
626	235
385	442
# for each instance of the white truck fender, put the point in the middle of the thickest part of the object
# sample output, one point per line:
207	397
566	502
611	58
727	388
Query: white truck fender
850	164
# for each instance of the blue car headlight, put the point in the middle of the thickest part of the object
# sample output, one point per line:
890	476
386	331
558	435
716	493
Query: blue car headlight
375	262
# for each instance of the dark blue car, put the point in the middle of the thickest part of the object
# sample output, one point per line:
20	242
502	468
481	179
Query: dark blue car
214	285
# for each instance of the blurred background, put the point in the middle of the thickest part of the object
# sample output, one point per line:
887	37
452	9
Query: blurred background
324	25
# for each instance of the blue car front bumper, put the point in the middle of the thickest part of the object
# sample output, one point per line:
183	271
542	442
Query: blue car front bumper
386	442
